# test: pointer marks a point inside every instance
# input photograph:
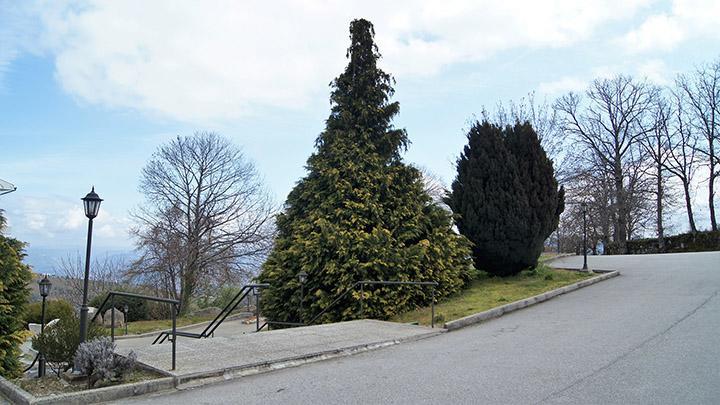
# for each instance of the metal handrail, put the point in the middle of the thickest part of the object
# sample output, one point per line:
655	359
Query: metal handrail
220	317
174	307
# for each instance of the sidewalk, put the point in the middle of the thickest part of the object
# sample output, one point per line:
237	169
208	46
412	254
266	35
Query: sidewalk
227	355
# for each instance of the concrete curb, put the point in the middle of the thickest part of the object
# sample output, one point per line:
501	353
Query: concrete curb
210	377
19	396
514	306
560	256
186	327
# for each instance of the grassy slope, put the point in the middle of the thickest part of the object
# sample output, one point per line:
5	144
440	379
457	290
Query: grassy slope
488	292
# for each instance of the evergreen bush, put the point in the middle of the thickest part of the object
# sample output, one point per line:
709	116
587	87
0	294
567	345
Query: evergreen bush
505	196
361	213
14	294
54	309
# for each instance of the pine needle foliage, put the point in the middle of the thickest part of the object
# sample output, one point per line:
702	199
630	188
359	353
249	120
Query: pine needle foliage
361	213
14	295
506	197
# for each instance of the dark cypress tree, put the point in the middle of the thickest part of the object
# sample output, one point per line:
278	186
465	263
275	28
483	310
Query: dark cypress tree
361	213
506	197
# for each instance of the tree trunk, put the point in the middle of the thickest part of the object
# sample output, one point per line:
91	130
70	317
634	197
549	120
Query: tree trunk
688	205
621	228
711	202
660	192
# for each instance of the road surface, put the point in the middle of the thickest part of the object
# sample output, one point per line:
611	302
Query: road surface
651	335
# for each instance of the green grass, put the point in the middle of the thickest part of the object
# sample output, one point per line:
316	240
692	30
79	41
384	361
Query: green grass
488	292
139	327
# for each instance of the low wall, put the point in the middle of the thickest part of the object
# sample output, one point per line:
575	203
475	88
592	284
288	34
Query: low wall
682	243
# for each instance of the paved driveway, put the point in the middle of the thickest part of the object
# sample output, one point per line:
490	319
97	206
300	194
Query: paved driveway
651	335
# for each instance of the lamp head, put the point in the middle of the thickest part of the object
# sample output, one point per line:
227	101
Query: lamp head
91	203
45	286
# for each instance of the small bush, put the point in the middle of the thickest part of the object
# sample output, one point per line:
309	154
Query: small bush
137	308
97	360
54	309
60	342
224	297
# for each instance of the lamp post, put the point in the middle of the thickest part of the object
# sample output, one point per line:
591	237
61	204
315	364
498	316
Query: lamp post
302	277
126	308
583	205
91	203
44	286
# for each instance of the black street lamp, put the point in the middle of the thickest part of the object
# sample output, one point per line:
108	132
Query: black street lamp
91	202
583	205
126	308
44	286
302	277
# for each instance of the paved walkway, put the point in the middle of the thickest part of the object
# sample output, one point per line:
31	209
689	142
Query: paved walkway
651	335
226	352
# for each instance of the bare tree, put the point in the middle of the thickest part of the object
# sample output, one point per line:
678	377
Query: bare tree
610	126
655	145
544	120
702	92
207	216
106	273
681	144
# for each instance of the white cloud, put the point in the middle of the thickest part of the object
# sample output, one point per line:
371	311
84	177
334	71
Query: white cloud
563	85
686	20
656	71
197	61
51	221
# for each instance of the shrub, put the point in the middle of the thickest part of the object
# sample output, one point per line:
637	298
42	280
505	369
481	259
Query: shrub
14	294
505	196
224	297
361	213
60	342
54	309
97	360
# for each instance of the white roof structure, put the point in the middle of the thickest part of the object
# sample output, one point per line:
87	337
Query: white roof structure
6	187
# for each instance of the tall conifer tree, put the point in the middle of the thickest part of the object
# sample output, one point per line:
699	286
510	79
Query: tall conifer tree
361	213
506	197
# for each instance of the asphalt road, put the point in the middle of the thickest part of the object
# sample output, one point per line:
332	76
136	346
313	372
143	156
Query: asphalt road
651	335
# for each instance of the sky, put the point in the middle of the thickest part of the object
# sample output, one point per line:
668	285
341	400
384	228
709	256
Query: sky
89	89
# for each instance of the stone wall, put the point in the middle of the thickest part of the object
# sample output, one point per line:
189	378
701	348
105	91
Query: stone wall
685	242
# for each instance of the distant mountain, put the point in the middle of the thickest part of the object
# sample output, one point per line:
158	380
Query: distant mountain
45	259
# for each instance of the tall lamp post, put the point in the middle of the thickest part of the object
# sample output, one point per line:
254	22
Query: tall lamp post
44	286
583	205
91	203
302	277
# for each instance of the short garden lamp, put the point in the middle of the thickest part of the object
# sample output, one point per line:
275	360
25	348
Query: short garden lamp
91	203
583	205
44	286
125	312
302	278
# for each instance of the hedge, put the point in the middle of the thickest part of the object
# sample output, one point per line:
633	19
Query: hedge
685	242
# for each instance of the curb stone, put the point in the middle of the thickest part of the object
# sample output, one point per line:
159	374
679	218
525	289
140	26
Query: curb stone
19	396
514	306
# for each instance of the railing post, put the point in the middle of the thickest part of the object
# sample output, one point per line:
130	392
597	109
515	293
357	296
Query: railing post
362	299
257	311
432	305
174	316
112	318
